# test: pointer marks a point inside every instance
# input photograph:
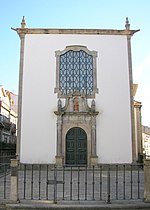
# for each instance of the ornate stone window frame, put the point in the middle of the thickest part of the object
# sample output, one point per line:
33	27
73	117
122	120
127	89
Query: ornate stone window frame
75	48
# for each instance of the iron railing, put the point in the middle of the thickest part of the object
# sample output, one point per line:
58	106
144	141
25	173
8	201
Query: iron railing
5	175
6	159
69	183
4	180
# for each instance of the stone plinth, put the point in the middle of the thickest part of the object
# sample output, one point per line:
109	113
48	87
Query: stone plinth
93	160
14	180
59	160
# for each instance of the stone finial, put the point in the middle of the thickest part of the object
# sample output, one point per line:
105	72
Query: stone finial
93	105
23	23
127	25
59	105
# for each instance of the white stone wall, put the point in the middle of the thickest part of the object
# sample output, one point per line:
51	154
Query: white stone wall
38	134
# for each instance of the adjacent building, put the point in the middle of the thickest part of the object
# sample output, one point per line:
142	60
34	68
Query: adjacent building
8	122
146	141
138	127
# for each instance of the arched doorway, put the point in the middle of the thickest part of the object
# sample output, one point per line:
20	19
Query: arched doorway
76	146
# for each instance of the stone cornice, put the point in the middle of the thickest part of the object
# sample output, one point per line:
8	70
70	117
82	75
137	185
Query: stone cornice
74	31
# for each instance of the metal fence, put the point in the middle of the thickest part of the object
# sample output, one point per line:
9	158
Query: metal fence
5	170
97	183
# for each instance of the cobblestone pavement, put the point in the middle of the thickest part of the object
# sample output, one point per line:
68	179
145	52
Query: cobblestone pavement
77	183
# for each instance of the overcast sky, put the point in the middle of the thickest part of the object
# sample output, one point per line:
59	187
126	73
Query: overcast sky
101	14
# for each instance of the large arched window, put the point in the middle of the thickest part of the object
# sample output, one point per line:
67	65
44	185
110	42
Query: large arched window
76	72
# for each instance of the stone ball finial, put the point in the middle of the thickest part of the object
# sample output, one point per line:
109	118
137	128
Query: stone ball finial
23	23
127	25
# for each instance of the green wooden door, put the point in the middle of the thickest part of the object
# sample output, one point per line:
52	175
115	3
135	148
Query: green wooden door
76	147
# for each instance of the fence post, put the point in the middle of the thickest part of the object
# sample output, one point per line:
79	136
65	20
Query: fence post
14	180
108	185
147	180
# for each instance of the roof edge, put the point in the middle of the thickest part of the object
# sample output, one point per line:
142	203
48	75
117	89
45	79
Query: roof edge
74	31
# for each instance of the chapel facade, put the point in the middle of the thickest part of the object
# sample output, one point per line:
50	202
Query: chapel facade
79	83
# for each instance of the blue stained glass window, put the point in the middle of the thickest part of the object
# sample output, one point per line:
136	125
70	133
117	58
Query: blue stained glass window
76	73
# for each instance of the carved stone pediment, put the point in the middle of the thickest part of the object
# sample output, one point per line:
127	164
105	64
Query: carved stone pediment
76	105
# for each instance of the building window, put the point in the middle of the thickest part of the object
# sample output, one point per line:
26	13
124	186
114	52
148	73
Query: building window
76	72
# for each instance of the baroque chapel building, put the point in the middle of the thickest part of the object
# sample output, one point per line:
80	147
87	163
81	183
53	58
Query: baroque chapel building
79	83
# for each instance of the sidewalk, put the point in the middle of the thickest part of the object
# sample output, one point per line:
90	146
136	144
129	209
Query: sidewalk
42	205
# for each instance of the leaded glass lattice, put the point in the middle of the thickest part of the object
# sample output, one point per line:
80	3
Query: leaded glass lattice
76	73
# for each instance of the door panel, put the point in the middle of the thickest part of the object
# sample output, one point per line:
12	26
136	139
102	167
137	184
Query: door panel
76	146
